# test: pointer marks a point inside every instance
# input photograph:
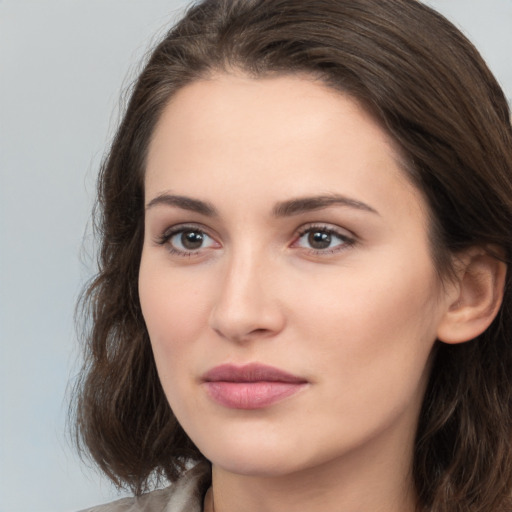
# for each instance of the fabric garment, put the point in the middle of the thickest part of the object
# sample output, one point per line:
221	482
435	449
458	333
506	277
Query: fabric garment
184	495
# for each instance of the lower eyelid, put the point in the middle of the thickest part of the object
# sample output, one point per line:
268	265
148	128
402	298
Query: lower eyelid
165	240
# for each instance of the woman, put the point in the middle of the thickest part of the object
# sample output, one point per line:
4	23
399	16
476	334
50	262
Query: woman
306	225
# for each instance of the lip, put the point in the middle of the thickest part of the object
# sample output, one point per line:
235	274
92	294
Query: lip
251	386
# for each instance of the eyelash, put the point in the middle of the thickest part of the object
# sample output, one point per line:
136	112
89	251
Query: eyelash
346	241
164	239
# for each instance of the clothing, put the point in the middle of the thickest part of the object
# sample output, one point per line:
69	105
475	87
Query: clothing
184	495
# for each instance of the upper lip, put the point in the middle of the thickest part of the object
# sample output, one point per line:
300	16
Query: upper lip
253	372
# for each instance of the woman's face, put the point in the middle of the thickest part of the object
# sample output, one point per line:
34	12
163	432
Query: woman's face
286	279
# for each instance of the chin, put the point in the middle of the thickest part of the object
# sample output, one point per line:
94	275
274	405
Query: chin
264	458
263	467
256	457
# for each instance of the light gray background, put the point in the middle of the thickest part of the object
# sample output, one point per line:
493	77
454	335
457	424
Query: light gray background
63	65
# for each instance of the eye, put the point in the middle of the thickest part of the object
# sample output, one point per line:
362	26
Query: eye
187	241
323	239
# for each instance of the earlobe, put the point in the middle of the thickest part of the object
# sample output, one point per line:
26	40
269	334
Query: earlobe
477	297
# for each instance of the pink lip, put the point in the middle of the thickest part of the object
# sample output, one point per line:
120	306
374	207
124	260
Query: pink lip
252	386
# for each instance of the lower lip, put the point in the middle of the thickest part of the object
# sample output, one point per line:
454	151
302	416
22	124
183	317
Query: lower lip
251	395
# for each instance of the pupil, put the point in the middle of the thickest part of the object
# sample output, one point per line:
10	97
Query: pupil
192	239
319	240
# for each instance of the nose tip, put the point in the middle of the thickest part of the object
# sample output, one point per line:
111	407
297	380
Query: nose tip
246	308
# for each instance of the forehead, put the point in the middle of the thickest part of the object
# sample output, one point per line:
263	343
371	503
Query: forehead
278	135
230	107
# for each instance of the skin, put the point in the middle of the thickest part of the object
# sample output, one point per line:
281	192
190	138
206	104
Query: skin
357	320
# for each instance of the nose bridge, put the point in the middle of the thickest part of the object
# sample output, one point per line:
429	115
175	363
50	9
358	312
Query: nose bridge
245	304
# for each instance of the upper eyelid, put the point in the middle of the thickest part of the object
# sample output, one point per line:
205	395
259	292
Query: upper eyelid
164	239
170	231
346	241
326	226
186	226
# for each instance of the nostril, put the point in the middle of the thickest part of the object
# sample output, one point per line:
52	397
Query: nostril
243	336
259	331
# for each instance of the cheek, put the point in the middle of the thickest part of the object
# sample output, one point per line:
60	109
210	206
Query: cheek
373	331
175	311
370	302
370	356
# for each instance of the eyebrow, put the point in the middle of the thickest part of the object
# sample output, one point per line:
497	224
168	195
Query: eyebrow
185	203
281	209
307	204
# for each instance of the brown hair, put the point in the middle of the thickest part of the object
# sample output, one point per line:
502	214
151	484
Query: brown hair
429	88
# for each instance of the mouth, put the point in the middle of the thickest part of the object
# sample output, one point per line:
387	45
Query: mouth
252	386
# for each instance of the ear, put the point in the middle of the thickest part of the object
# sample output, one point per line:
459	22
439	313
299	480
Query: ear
476	297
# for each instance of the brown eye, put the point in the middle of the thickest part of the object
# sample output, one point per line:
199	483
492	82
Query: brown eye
192	240
319	239
324	239
187	241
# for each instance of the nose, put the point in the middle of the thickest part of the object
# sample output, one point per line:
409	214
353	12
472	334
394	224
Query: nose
247	305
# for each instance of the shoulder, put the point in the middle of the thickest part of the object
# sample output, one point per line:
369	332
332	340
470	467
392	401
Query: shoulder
184	495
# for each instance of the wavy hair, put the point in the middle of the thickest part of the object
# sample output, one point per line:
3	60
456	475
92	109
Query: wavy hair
428	87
